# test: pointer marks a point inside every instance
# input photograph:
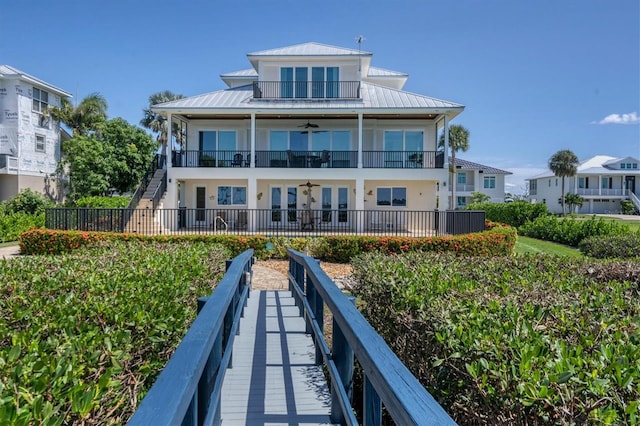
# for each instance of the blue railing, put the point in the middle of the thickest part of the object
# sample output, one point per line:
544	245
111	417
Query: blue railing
386	380
188	390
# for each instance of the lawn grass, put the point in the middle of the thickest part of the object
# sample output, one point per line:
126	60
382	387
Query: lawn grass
531	245
8	244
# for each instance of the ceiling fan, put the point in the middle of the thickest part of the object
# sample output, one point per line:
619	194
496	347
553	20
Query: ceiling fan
309	124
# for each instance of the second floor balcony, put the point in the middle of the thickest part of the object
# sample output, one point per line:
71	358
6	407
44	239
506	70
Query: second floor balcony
311	159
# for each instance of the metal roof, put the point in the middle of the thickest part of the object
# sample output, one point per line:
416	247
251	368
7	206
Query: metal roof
373	72
7	71
309	49
593	165
373	97
250	72
469	165
381	72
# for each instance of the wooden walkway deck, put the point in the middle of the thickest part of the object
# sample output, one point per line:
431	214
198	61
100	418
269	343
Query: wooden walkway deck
274	380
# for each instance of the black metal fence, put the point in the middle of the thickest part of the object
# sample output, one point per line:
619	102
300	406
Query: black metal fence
272	222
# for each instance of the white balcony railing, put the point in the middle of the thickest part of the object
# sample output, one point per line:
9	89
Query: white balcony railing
599	192
465	187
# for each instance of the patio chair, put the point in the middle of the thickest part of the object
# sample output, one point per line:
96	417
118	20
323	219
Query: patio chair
241	222
247	162
306	220
237	160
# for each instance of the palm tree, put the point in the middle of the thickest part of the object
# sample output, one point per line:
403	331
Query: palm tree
564	163
458	141
86	117
156	122
574	201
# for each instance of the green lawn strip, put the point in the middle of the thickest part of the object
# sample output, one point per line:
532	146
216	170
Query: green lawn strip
526	245
84	335
9	244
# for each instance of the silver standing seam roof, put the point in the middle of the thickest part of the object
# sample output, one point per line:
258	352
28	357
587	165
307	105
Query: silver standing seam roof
469	165
373	97
310	49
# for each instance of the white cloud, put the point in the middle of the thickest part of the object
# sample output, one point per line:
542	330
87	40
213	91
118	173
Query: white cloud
631	118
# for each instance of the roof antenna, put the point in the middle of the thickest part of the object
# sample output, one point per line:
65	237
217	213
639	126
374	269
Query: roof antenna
359	40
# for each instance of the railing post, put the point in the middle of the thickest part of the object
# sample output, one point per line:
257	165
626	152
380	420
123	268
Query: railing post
317	305
343	358
209	374
372	406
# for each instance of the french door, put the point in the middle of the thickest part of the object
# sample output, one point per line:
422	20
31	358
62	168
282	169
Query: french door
284	205
335	204
201	197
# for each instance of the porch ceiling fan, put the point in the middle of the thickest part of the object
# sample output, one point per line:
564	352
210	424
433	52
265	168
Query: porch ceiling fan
309	124
309	184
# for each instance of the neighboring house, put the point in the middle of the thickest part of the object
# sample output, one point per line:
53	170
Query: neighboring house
474	177
308	113
602	182
29	141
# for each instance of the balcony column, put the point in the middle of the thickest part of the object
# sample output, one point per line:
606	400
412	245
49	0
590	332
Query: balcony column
599	184
169	143
252	201
452	178
253	140
360	118
360	204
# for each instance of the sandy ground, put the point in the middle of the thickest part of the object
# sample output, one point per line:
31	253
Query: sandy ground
272	274
9	251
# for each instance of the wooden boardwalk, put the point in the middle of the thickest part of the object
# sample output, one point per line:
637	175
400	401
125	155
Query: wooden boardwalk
274	379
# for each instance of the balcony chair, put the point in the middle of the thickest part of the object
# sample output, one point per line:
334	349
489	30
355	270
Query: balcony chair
247	162
237	160
295	160
324	158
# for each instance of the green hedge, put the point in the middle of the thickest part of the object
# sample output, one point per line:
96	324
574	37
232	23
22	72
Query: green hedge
84	335
104	202
498	241
569	230
614	246
495	242
515	214
12	225
512	340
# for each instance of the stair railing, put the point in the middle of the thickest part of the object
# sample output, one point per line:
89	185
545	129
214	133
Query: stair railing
157	163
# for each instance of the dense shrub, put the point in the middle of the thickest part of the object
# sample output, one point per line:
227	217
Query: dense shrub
614	246
22	212
498	241
104	202
14	224
569	230
515	214
46	241
84	335
28	202
512	340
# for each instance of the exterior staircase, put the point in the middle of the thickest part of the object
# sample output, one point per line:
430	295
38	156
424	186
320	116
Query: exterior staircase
146	201
636	202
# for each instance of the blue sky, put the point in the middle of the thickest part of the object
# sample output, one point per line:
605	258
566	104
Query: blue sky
535	76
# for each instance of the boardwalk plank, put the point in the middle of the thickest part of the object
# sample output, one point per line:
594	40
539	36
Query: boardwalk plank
274	380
